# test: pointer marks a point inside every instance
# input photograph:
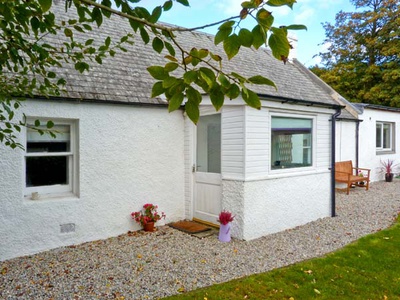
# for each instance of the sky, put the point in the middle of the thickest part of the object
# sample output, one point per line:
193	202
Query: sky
310	13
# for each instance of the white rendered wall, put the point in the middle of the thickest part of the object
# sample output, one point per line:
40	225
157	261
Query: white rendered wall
369	157
128	156
268	206
346	141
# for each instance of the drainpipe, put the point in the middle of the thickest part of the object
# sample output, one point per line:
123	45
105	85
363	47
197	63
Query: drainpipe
333	154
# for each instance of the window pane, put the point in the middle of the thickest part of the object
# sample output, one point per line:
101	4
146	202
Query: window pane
386	136
209	144
291	140
42	171
46	143
378	135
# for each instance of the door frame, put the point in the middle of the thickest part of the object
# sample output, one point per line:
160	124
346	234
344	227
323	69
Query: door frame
216	178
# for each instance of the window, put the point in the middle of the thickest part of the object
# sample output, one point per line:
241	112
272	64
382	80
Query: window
208	156
50	162
291	142
384	136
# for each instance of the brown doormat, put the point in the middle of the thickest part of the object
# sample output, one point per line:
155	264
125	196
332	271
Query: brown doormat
189	226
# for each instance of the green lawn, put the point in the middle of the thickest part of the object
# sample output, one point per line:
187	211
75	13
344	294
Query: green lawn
366	269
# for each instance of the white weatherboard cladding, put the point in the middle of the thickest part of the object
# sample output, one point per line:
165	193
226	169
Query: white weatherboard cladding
258	140
368	156
128	156
232	141
345	141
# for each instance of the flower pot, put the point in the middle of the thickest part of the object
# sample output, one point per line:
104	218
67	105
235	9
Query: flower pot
389	177
149	227
224	233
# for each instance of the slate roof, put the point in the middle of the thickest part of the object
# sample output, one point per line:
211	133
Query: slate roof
124	78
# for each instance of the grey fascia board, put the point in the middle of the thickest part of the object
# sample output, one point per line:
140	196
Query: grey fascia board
300	102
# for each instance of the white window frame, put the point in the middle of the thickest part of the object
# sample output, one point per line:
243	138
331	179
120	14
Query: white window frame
380	147
70	187
312	146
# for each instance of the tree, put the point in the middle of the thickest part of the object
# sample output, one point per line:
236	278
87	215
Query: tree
28	58
362	61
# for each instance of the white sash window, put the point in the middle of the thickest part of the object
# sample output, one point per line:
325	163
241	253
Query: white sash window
49	161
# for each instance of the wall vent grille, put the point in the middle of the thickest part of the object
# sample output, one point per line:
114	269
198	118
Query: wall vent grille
67	228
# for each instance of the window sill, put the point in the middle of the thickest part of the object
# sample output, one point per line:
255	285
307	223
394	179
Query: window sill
383	152
51	197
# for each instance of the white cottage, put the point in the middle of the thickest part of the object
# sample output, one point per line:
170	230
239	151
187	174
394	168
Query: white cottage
377	137
120	149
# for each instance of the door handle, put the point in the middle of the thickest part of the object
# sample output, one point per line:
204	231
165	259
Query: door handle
195	168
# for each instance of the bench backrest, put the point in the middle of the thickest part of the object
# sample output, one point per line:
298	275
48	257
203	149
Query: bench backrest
344	166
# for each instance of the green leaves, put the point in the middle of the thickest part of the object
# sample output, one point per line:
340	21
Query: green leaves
157	72
296	27
45	4
183	2
245	37
279	44
223	32
167	5
232	45
97	16
175	102
187	74
251	98
262	80
259	36
158	44
155	15
281	3
264	18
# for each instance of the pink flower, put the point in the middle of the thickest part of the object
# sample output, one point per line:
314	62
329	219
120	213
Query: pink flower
225	217
148	214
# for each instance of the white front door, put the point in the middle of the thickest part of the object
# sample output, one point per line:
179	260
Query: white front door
207	175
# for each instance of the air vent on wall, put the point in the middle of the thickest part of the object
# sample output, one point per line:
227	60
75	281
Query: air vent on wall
67	228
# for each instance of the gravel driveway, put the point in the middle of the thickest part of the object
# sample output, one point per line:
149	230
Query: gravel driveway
153	265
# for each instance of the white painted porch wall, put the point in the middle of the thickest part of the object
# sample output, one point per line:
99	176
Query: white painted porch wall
233	142
266	201
369	157
128	156
346	141
283	203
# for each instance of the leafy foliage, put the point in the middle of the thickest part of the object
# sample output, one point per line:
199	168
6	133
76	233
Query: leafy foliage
362	61
28	60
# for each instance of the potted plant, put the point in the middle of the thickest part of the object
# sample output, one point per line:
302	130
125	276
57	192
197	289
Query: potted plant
148	216
225	218
387	167
361	174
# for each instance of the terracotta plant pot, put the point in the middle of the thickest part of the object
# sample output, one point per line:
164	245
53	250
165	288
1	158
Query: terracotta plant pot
389	177
149	227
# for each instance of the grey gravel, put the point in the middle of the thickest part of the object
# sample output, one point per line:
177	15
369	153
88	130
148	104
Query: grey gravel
154	265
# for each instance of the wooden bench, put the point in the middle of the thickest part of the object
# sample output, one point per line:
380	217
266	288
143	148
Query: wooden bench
345	173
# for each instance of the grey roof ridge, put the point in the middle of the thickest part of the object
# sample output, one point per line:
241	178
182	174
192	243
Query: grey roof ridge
350	107
362	106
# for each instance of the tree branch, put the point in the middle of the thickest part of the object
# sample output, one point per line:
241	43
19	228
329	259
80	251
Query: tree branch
153	25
